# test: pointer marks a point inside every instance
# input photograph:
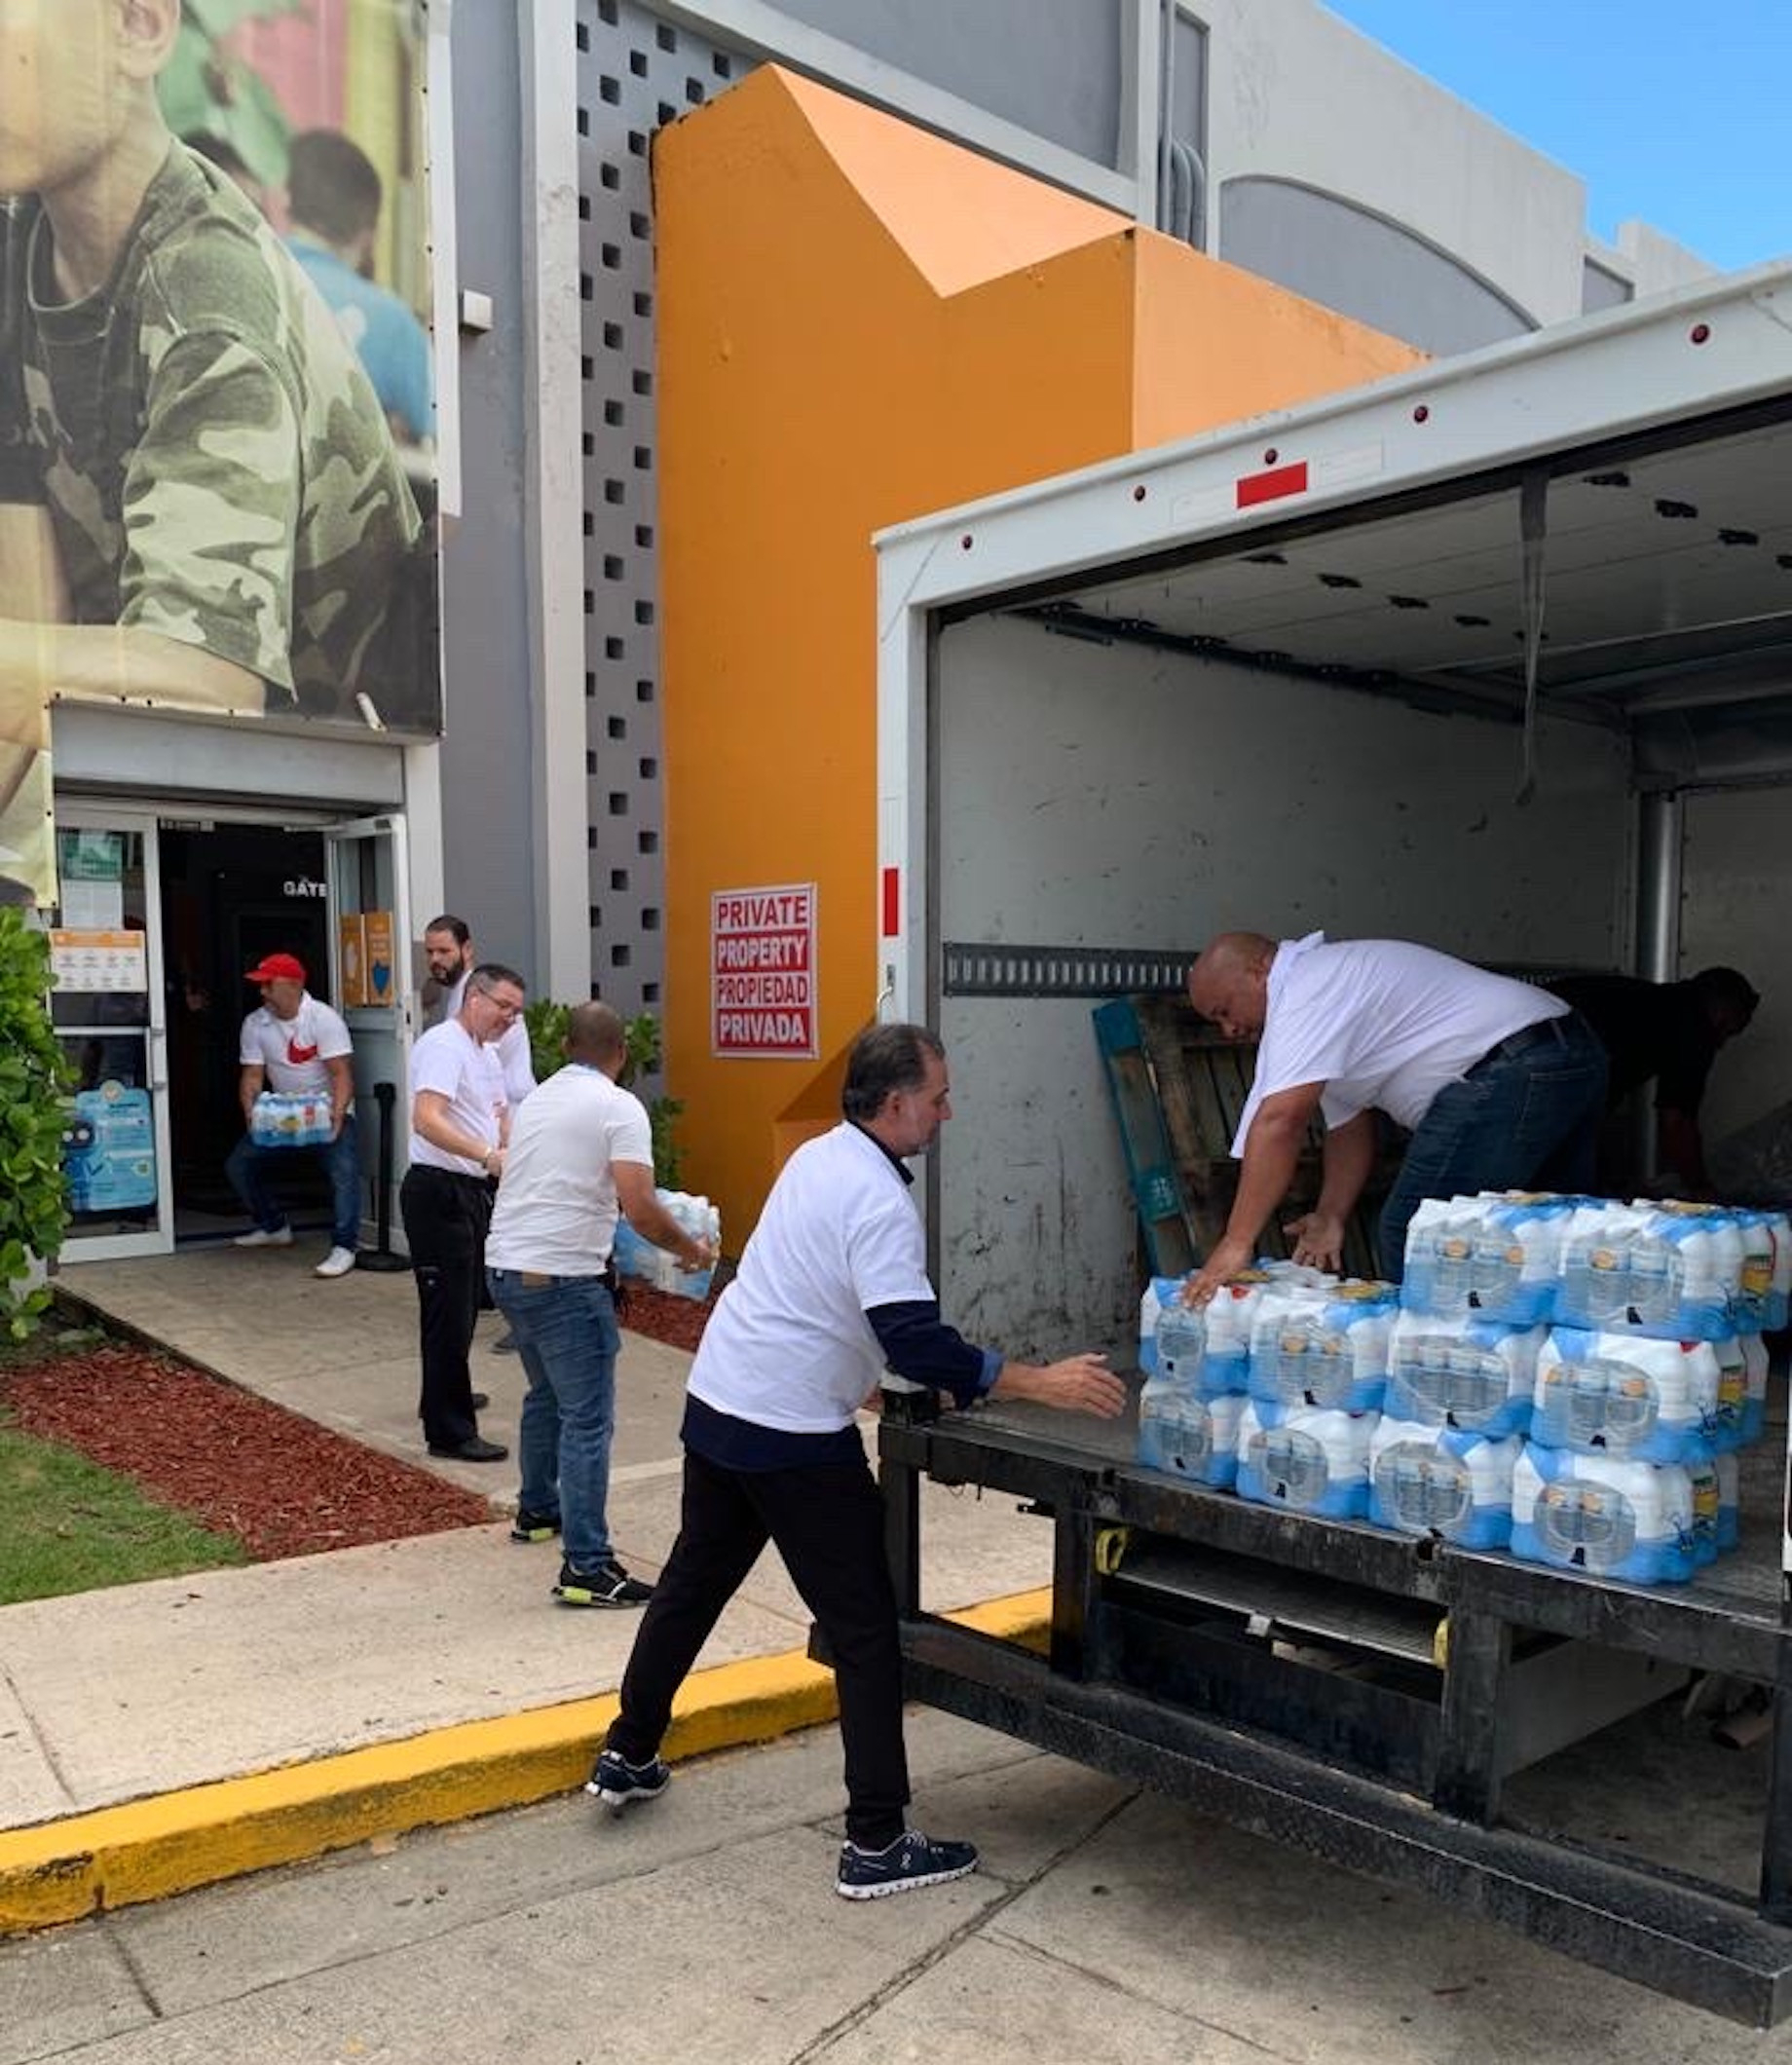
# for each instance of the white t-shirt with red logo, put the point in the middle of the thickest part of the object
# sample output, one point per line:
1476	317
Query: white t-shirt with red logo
293	1050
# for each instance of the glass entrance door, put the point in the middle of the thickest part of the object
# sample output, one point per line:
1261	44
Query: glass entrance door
108	1011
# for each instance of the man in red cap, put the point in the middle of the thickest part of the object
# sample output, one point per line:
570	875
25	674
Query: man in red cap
295	1044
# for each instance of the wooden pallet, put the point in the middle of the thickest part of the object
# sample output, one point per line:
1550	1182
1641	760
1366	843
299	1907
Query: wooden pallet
1178	1089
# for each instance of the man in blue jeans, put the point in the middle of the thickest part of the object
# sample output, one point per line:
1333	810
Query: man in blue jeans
297	1045
581	1148
1500	1084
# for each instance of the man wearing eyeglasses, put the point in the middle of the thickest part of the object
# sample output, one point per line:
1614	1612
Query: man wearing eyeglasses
457	1150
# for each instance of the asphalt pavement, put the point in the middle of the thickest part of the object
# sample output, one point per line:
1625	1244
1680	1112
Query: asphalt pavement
1105	1928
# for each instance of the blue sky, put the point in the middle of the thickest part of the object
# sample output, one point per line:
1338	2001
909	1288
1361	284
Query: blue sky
1681	114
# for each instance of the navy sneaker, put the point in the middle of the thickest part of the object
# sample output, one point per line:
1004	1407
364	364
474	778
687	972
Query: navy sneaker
533	1526
911	1862
616	1783
609	1584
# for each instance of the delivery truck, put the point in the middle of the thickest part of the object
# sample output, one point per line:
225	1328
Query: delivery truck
1496	654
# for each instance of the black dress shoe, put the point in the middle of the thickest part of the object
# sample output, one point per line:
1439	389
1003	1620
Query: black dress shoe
474	1449
480	1401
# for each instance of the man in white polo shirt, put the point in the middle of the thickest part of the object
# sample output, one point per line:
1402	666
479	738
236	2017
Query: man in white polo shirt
296	1045
448	951
458	1130
579	1147
1500	1084
831	1290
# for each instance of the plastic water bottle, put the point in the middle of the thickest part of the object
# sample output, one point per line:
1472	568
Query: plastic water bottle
1708	1501
1453	1273
1654	1279
1595	1292
1779	1290
1182	1342
1732	1393
1419	1284
1497	1263
1757	1278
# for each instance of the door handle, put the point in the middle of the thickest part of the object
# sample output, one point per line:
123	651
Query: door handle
157	1058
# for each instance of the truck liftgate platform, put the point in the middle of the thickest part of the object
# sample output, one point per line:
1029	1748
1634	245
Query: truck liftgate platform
1378	1701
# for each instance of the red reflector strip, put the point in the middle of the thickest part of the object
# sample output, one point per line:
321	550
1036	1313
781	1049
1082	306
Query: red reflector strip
1272	485
892	901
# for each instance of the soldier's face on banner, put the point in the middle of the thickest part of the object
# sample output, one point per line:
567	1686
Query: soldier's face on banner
70	72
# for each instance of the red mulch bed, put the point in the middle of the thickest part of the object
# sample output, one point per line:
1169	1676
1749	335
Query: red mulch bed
241	1465
232	1461
676	1321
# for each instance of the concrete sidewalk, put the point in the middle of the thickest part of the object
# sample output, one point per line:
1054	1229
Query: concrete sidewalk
160	1735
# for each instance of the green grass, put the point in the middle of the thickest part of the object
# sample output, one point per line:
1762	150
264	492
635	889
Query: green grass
67	1524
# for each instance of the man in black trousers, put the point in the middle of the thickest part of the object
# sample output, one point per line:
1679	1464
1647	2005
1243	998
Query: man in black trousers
831	1290
459	1125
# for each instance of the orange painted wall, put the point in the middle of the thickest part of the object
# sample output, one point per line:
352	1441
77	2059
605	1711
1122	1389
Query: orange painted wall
859	324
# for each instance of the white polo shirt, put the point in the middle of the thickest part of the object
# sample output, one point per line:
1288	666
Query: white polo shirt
1381	1023
452	1062
292	1051
556	1209
788	1344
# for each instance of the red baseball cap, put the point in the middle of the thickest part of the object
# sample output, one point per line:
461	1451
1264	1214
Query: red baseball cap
277	968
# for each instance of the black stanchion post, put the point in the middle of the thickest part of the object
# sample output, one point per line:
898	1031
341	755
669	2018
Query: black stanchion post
381	1258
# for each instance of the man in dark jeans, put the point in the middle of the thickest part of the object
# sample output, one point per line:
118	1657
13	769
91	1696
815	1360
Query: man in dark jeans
831	1290
1500	1084
458	1130
581	1151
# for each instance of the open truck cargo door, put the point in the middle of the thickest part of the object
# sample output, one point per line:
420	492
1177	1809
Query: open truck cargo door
1442	660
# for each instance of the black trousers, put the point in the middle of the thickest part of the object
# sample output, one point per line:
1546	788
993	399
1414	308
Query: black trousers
827	1522
445	1219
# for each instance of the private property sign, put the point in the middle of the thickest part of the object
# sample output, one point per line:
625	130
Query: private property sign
762	972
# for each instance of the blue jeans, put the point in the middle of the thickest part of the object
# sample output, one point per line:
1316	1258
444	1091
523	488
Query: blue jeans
566	1333
249	1168
1527	1120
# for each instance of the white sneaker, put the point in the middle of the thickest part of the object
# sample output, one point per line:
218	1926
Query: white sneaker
280	1237
336	1262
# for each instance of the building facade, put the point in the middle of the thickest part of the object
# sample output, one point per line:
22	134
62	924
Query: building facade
1264	133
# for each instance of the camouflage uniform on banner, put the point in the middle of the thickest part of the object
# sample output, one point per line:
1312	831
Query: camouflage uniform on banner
215	462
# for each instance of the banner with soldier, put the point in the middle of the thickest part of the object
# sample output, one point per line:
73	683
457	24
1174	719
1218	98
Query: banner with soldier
217	422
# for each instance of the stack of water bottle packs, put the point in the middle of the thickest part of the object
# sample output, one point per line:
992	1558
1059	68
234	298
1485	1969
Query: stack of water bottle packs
1567	1377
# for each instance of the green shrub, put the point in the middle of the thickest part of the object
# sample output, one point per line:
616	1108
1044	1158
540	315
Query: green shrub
33	1079
545	1022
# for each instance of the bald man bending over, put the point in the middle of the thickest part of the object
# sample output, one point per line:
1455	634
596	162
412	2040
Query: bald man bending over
1500	1084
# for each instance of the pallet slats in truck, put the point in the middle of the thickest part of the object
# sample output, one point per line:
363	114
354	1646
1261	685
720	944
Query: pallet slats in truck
1459	658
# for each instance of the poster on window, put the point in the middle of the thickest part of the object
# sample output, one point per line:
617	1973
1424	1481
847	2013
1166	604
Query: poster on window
216	412
762	972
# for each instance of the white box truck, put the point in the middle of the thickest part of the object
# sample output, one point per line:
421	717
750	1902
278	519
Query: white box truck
1496	654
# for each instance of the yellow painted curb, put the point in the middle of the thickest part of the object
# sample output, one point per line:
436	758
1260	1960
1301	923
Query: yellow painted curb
145	1850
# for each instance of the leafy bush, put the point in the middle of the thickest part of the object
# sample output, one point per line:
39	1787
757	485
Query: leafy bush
33	1077
545	1022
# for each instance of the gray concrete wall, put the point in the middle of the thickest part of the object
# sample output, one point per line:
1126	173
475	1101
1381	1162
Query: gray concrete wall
1352	260
486	799
1052	67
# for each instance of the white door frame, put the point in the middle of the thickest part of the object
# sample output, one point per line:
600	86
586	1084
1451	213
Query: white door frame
80	813
398	1020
